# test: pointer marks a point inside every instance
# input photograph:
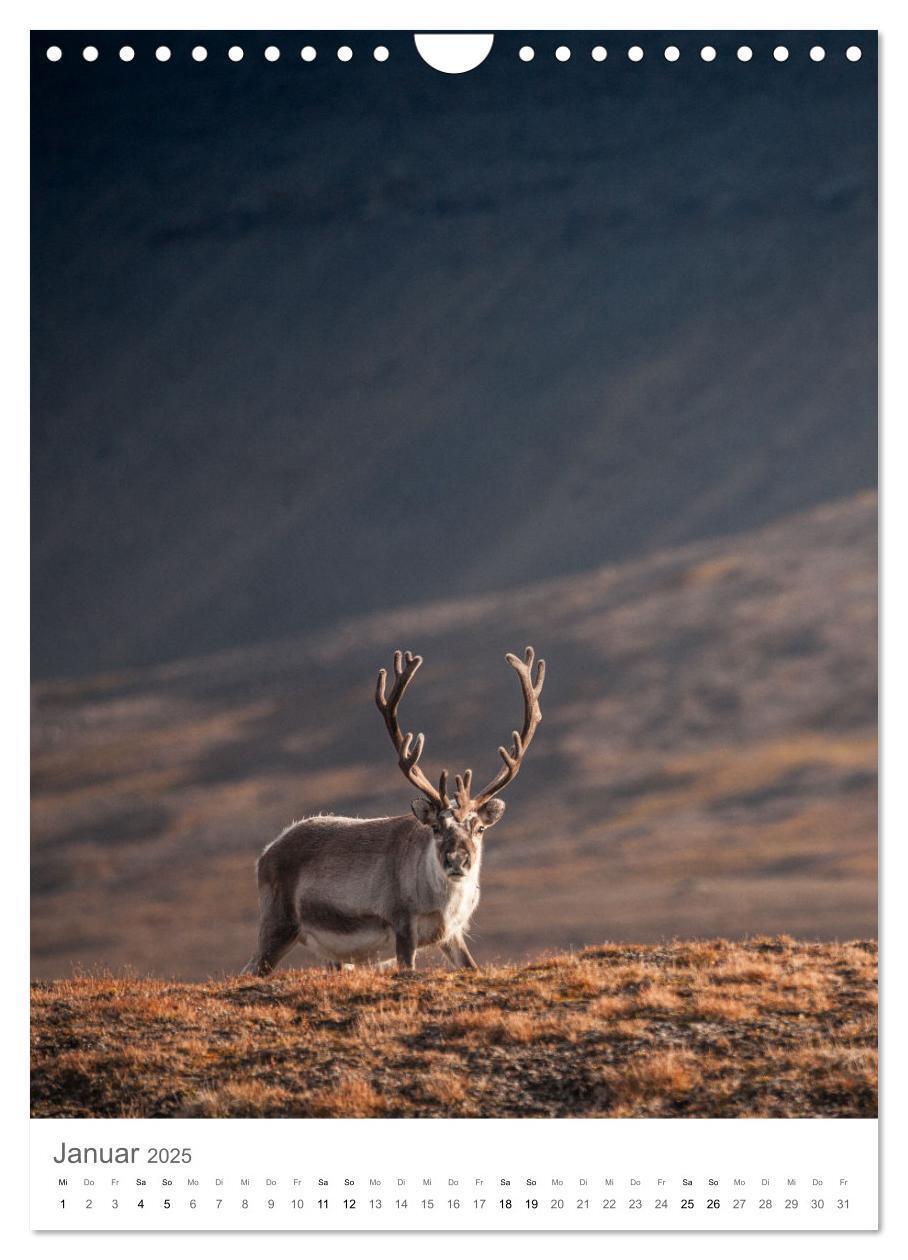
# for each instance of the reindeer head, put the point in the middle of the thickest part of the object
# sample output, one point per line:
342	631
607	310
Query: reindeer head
459	821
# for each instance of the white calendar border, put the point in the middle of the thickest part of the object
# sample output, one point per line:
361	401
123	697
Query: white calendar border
469	15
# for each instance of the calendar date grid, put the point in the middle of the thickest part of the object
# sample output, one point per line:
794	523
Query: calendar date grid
485	1195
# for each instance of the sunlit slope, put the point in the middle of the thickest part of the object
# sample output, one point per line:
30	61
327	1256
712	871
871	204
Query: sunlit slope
705	764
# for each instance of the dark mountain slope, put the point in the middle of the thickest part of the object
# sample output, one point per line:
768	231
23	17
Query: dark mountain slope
314	340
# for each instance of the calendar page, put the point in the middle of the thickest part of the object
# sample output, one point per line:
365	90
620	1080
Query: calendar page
454	600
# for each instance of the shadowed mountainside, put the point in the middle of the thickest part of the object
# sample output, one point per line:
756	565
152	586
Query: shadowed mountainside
705	766
319	339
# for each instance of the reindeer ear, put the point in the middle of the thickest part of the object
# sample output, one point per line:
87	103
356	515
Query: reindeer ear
424	810
489	814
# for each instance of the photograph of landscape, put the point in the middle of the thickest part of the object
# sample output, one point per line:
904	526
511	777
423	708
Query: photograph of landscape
333	360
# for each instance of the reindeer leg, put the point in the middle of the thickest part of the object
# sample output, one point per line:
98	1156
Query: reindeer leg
456	952
278	932
405	939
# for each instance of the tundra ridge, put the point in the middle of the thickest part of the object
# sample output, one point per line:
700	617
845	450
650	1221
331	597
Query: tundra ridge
766	1027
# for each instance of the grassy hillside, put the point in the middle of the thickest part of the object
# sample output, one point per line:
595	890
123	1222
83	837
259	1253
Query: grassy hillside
705	766
770	1027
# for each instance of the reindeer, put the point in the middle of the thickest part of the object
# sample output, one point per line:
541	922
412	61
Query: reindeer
373	889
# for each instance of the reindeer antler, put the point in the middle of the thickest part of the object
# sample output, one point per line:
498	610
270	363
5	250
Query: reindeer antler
532	716
463	785
408	750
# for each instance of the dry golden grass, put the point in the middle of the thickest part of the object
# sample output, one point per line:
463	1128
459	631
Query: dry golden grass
767	1027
